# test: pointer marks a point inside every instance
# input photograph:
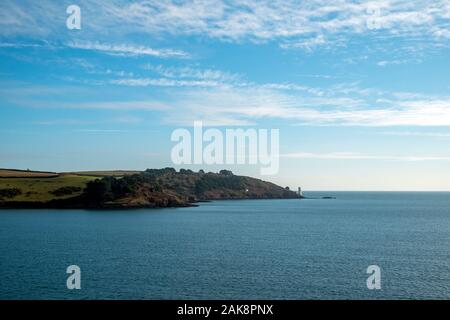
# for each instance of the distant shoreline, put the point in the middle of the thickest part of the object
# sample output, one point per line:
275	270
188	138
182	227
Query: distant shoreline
123	189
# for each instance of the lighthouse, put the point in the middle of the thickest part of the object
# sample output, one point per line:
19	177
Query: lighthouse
300	192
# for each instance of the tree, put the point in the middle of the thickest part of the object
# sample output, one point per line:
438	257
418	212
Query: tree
226	172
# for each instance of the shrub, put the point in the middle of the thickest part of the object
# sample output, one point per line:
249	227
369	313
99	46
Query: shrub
213	181
110	188
10	193
226	172
65	191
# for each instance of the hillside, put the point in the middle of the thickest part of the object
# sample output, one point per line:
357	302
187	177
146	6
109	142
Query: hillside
15	173
151	188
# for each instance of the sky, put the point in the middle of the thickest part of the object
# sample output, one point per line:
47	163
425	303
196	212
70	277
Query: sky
360	91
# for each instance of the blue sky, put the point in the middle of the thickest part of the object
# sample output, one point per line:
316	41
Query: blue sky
359	90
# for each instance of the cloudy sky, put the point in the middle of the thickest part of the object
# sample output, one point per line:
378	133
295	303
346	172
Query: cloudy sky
360	91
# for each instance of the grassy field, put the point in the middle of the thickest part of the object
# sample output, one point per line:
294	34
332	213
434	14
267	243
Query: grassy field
12	173
39	189
100	174
38	185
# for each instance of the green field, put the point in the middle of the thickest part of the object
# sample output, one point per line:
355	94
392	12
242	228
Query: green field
38	189
15	173
100	174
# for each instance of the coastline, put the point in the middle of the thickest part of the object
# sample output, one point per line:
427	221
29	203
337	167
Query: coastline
69	205
152	188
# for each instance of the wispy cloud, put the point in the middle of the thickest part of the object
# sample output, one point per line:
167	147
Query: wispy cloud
213	101
418	134
189	72
163	82
293	24
19	45
119	105
384	63
253	103
127	50
127	119
183	77
308	44
359	156
146	105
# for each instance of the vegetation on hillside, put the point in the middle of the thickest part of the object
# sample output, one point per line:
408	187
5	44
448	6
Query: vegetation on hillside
43	189
151	188
14	173
9	193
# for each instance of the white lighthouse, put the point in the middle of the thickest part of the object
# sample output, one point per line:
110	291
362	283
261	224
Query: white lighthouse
300	192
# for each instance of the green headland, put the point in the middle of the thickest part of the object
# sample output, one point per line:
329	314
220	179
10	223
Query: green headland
152	188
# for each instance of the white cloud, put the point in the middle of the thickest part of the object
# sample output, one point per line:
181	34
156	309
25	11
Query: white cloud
119	105
19	45
244	103
384	63
301	24
253	103
127	50
441	33
189	72
308	44
182	77
418	134
147	105
212	101
163	82
359	156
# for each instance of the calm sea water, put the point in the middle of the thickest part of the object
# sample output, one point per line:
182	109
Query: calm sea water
250	249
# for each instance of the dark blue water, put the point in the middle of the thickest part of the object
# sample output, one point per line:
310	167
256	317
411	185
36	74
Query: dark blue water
253	249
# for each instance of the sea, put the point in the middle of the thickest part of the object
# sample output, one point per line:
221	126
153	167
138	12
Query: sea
235	249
